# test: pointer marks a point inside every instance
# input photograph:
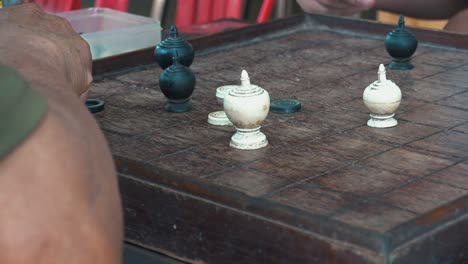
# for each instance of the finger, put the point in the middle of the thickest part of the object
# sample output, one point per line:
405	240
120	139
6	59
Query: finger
78	64
84	95
59	26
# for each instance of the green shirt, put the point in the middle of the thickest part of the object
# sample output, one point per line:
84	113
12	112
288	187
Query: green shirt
21	109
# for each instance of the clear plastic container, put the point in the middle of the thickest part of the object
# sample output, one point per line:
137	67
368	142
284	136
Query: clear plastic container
110	32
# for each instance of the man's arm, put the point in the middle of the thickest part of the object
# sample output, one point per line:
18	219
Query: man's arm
335	7
58	187
459	22
59	195
426	9
429	9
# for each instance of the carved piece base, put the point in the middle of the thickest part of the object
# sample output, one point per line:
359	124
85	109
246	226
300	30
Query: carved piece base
401	64
178	106
248	139
382	121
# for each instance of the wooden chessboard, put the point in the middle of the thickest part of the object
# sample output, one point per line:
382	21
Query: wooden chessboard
328	189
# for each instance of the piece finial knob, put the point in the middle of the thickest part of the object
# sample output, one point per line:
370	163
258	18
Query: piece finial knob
174	31
382	73
245	80
401	22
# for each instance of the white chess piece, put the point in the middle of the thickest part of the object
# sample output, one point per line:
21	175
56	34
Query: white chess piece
247	106
219	118
382	98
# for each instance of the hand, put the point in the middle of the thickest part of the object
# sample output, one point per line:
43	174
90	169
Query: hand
32	38
336	7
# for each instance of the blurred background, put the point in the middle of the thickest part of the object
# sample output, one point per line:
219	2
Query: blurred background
250	9
168	12
282	8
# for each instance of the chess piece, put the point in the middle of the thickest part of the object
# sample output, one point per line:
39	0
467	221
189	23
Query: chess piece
167	49
382	98
95	105
285	106
401	45
247	106
219	118
177	83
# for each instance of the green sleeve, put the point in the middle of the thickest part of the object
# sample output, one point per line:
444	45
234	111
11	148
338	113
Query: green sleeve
21	109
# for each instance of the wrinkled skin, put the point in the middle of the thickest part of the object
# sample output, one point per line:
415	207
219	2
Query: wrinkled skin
58	188
29	34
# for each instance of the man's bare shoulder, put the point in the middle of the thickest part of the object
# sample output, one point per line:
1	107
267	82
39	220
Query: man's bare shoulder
58	192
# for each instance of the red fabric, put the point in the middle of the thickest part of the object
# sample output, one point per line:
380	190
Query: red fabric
56	6
189	12
219	8
76	4
204	11
185	13
193	12
234	9
265	11
121	5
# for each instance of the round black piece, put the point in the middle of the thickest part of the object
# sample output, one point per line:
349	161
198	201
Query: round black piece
177	83
95	105
285	106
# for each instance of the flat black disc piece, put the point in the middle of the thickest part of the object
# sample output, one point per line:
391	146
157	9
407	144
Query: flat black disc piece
95	105
285	106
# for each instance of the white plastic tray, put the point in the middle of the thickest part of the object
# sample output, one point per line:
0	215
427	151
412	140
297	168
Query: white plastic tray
110	32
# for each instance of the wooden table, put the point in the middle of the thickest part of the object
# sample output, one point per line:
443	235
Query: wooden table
328	189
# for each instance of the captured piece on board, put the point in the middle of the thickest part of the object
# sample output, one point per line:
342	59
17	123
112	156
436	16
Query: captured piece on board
219	118
285	106
95	105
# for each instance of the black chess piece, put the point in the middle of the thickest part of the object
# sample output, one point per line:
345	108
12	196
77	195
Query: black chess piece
167	49
177	83
401	45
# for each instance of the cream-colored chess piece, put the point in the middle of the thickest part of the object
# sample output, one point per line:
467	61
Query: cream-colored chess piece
247	106
219	118
382	98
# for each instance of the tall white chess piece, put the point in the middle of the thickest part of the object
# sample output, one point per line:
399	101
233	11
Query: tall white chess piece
247	106
382	98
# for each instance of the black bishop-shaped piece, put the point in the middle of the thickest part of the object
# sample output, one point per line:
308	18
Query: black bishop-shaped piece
401	45
177	83
167	49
